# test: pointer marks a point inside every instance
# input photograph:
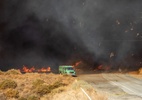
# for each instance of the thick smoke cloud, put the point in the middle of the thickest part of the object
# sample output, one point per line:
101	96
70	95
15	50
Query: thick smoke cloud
52	32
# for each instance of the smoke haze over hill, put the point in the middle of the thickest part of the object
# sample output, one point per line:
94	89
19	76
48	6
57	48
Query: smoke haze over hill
52	32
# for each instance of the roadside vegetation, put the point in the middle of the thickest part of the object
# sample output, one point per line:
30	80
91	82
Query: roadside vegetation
43	86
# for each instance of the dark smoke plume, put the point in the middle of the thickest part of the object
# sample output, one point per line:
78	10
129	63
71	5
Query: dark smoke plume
51	32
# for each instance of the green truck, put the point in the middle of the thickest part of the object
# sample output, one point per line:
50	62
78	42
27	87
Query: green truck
67	70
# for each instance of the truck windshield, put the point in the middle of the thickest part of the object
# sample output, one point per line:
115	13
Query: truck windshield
69	68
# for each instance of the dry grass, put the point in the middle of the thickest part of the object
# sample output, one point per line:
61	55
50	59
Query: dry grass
1	73
30	86
8	84
42	89
74	92
12	71
37	83
136	74
42	86
94	95
140	71
12	93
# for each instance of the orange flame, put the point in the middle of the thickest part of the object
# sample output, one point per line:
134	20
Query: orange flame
44	70
29	70
77	63
101	67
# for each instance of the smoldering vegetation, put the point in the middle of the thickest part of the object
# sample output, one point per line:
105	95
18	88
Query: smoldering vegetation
51	32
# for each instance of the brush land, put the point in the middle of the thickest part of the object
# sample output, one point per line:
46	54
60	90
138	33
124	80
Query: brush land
44	86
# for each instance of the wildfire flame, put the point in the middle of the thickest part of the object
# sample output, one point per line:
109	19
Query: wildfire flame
77	63
101	67
28	70
48	69
32	69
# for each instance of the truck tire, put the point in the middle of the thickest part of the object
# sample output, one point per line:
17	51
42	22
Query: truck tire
60	73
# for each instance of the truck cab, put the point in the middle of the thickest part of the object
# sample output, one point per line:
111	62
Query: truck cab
67	70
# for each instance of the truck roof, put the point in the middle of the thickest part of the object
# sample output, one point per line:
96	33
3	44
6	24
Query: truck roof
66	66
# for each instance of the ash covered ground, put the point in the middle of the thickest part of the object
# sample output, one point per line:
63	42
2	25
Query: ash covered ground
52	32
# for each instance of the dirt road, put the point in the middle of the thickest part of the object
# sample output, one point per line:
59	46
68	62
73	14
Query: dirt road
116	86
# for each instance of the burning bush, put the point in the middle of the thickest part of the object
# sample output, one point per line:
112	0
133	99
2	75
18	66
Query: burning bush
8	84
12	93
33	69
